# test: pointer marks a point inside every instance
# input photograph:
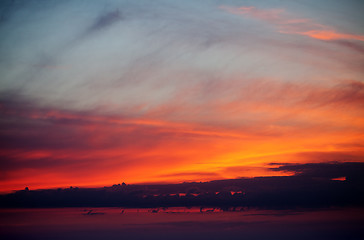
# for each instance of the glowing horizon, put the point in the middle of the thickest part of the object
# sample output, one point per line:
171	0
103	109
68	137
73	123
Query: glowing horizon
99	93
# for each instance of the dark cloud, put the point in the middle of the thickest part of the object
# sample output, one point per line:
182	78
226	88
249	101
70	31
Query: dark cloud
285	192
104	21
324	170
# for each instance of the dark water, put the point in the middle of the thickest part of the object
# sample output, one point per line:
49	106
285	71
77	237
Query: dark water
180	223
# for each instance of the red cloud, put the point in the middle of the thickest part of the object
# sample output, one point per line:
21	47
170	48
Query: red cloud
264	121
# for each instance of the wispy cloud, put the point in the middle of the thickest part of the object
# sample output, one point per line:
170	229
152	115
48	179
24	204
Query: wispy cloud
150	91
288	24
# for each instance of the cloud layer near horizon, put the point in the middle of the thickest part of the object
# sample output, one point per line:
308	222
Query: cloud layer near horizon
98	92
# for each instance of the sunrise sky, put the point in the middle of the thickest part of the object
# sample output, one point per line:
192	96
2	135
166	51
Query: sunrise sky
95	93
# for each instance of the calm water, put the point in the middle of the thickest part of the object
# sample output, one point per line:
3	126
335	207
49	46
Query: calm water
179	223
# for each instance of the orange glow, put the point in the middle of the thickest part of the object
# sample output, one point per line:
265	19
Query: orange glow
249	132
331	35
170	93
289	25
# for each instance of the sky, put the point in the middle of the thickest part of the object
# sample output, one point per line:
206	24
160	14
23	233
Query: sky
95	93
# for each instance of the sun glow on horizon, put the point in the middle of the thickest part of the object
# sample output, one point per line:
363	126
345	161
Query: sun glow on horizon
96	94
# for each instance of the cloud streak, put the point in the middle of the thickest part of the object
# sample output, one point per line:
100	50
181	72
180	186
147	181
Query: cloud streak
290	25
81	146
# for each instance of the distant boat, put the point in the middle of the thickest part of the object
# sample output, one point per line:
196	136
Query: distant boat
90	212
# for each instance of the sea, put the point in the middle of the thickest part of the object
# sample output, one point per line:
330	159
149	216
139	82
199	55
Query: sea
181	223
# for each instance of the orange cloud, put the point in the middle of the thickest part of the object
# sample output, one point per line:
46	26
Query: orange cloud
289	25
262	122
331	35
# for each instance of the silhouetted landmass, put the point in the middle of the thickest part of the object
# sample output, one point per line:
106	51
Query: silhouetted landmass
312	186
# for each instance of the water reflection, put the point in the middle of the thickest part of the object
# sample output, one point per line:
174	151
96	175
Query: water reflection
180	223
